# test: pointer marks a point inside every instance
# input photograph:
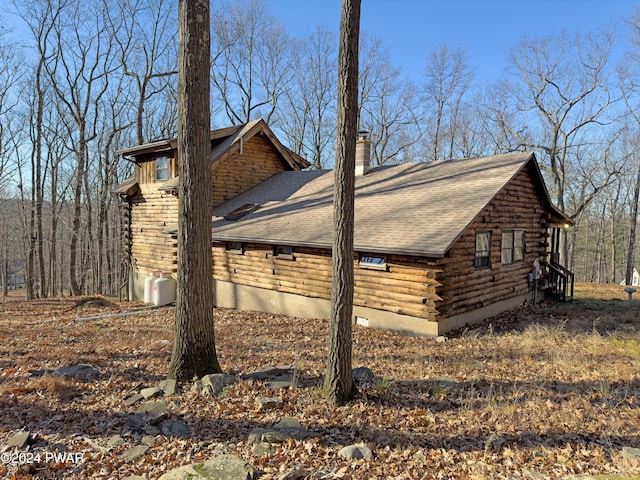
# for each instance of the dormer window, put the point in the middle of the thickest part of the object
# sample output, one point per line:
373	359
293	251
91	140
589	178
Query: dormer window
162	168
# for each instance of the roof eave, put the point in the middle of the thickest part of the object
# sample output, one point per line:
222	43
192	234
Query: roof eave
356	248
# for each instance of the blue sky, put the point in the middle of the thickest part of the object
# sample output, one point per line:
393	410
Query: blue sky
412	28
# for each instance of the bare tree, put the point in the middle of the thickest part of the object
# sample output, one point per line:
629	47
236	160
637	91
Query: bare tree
253	64
307	114
194	348
388	106
338	381
78	69
448	78
561	86
144	31
629	74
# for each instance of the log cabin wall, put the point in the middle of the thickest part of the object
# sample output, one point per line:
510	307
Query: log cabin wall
153	212
407	286
465	288
237	173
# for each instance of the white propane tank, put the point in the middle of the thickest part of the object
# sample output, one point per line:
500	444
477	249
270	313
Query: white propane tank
148	286
164	290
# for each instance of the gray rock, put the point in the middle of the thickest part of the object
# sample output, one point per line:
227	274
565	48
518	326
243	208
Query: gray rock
168	386
268	372
271	436
214	383
263	448
152	430
156	411
363	376
255	436
115	441
19	440
83	371
149	440
224	467
135	452
150	392
175	428
355	452
288	425
441	339
136	421
132	400
268	403
197	387
134	477
281	381
631	453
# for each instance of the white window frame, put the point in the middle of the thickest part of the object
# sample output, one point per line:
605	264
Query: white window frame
374	261
162	168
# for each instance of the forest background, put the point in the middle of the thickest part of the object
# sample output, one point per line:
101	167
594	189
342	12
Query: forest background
81	80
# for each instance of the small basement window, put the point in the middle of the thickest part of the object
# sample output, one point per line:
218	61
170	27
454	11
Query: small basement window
512	247
368	260
483	249
162	168
283	252
235	247
241	211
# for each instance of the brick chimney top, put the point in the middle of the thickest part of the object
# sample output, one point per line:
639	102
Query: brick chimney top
363	153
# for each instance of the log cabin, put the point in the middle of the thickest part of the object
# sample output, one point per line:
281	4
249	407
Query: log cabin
437	245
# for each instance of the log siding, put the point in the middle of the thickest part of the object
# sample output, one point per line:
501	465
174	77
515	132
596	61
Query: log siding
154	213
421	287
407	286
519	206
257	162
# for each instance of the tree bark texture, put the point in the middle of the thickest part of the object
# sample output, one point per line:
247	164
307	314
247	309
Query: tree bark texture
338	380
194	350
633	222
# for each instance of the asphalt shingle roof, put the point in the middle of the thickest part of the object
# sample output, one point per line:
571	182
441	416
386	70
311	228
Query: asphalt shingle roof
415	208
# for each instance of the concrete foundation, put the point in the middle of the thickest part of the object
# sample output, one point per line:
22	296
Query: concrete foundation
243	297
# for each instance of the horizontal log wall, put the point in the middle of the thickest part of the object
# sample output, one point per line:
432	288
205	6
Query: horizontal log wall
408	286
238	173
153	212
464	287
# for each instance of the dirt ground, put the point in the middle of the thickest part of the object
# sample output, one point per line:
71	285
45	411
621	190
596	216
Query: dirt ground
540	392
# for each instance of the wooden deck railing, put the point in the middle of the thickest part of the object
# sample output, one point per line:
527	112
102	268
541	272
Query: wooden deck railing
561	281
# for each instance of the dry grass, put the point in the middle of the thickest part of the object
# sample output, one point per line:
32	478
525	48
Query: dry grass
549	391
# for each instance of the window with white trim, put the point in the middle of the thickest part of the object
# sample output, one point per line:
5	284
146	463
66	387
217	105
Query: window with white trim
162	168
370	260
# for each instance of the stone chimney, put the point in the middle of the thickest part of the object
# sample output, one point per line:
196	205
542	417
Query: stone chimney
363	153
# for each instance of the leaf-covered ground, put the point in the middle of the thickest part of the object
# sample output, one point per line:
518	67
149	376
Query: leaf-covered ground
541	392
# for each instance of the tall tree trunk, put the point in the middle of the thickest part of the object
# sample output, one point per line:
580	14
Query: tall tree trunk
194	348
77	213
338	380
633	223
